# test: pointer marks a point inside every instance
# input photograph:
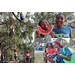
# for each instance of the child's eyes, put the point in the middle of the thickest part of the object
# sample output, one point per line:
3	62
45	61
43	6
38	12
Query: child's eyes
59	18
42	25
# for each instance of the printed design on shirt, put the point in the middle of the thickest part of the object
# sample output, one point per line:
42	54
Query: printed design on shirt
52	56
62	35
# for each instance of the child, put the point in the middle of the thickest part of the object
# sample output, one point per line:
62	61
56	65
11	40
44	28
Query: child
15	54
60	30
12	30
27	56
48	56
21	17
45	26
60	53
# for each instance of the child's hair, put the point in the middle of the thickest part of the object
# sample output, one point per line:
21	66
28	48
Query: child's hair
41	21
48	44
59	14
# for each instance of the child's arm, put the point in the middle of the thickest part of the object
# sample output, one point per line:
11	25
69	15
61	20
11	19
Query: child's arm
51	60
70	37
71	32
64	57
45	60
52	34
37	33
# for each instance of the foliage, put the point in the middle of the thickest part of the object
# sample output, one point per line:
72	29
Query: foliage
72	42
11	42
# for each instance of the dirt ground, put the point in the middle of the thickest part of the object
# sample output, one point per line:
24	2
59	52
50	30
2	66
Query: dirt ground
39	57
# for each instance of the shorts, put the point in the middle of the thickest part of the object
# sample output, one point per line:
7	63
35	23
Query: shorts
15	57
27	58
21	18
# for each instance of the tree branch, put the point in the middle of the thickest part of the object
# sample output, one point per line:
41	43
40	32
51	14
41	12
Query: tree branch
2	23
21	21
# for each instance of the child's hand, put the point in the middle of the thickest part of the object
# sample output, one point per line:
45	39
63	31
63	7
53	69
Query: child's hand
52	34
51	60
58	53
37	33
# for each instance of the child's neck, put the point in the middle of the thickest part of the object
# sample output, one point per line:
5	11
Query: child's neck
60	26
42	35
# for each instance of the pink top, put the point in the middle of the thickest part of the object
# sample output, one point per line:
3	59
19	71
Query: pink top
27	54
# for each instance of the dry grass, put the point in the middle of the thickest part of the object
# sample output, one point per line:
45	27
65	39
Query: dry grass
39	58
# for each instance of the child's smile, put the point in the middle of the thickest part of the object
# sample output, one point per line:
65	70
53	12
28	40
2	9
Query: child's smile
45	24
60	20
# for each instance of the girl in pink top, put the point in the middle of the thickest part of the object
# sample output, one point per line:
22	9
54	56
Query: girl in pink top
27	56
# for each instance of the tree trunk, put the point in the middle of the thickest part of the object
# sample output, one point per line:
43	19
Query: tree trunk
4	56
0	50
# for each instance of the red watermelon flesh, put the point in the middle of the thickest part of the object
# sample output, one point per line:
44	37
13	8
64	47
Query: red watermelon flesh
51	51
45	32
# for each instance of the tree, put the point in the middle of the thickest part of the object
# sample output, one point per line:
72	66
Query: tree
68	15
9	43
48	40
63	41
72	42
40	40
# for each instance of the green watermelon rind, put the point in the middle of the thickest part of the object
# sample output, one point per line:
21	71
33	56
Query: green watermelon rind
53	49
45	32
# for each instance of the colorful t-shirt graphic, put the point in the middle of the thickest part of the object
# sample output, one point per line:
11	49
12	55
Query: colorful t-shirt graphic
62	35
65	32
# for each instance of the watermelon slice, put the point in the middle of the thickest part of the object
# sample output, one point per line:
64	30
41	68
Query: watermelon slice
51	51
45	32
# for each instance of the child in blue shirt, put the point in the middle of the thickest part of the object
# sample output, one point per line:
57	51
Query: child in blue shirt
21	17
60	53
60	30
67	51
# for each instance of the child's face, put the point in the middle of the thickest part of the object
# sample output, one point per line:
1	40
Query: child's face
45	24
55	45
49	46
60	20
